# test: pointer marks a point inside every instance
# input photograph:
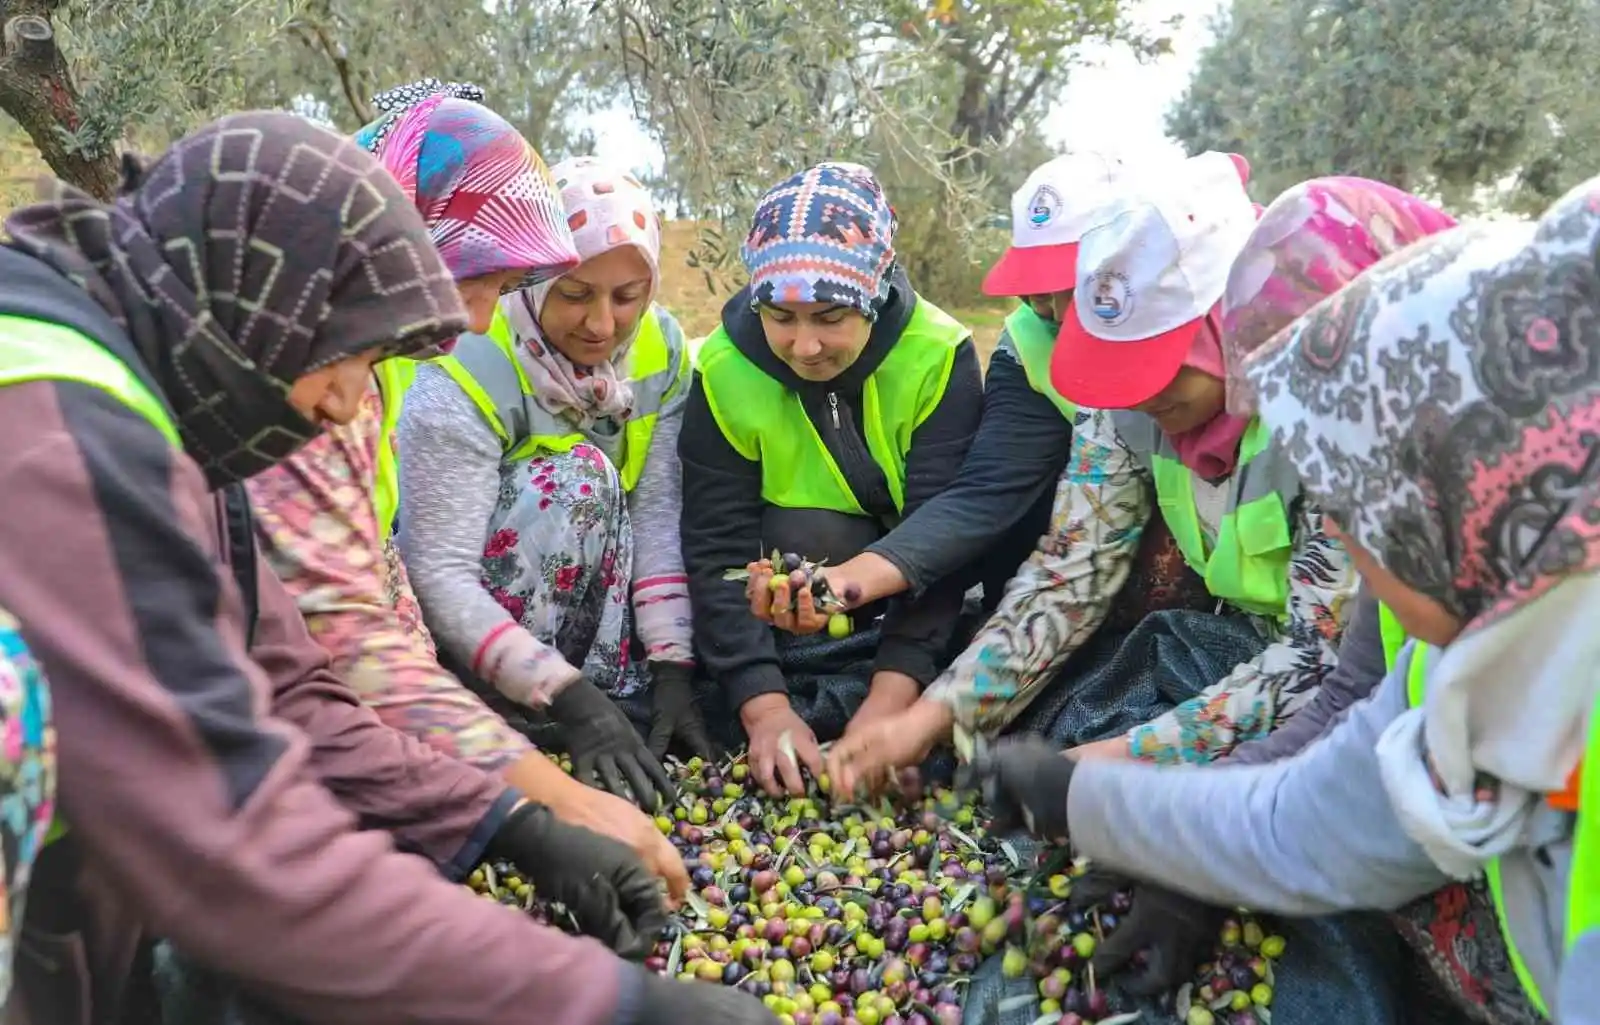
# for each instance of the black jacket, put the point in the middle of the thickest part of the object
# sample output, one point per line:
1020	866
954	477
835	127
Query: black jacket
722	504
1005	487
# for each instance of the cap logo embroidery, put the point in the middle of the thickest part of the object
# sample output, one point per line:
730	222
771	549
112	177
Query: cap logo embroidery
1044	206
1112	299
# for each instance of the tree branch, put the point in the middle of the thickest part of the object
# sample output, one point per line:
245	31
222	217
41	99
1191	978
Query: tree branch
316	37
37	90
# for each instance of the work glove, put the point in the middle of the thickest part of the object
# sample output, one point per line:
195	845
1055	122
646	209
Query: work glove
1023	783
1176	932
673	712
606	750
670	1002
610	893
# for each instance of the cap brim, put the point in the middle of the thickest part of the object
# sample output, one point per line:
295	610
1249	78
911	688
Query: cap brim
1035	270
1099	374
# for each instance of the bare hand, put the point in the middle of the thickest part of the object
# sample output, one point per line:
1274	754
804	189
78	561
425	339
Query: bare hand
611	816
1110	749
871	752
799	616
768	720
758	589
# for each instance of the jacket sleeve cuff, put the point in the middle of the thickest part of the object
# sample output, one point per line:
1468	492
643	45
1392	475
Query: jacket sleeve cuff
472	852
631	981
896	655
752	682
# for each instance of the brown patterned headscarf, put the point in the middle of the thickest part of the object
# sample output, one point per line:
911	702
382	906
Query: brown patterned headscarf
252	252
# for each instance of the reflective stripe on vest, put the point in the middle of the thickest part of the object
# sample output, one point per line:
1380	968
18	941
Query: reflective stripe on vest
487	369
37	350
394	377
1032	339
765	422
1248	565
1583	884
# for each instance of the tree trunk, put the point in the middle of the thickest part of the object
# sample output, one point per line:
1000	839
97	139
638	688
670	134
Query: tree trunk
37	90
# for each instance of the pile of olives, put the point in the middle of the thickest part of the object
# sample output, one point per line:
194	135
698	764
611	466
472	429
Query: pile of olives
857	914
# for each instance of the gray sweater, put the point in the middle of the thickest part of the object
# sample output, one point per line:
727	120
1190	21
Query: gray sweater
1314	834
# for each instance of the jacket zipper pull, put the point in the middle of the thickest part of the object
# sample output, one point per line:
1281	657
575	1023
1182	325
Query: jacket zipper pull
833	407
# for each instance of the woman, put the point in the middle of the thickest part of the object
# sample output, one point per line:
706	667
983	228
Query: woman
1150	280
541	494
155	350
27	785
1313	240
1443	410
324	515
832	402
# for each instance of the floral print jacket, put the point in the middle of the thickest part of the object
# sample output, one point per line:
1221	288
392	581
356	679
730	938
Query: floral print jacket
317	525
1064	592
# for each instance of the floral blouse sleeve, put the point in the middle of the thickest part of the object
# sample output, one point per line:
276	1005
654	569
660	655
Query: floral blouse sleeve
1062	593
1261	694
318	528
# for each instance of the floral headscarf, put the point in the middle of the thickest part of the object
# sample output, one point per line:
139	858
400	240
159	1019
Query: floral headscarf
607	208
1444	408
487	197
1312	241
825	235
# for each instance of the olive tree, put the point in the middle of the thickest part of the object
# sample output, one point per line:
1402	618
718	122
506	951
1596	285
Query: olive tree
1471	100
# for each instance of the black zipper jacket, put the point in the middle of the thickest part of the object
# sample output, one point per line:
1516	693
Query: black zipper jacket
722	504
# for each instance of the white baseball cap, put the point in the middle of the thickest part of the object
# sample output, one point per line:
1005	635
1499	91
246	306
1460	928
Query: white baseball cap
1149	275
1049	214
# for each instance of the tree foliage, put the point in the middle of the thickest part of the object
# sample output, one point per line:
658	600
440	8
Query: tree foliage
741	93
1444	96
107	72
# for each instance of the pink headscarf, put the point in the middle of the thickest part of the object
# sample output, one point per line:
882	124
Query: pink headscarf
489	201
1311	242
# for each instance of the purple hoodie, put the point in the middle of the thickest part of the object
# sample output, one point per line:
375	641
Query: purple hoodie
215	794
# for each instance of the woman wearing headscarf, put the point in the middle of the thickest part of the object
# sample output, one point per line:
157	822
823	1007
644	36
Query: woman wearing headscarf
324	516
1313	240
1443	409
154	350
541	495
832	402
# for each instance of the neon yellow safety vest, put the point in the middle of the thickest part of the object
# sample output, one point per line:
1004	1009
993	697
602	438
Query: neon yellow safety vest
394	377
1583	888
487	369
1248	564
1032	339
37	350
764	421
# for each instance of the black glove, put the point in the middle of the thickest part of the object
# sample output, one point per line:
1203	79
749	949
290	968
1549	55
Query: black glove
1024	785
606	750
673	712
670	1002
604	884
1178	932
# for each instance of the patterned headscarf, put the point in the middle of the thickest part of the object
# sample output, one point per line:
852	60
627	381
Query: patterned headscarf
1444	408
607	208
823	236
489	201
258	249
1312	241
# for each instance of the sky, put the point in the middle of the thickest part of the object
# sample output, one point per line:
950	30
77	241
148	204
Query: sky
1112	90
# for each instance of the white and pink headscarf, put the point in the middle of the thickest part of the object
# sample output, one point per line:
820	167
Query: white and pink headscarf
607	208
